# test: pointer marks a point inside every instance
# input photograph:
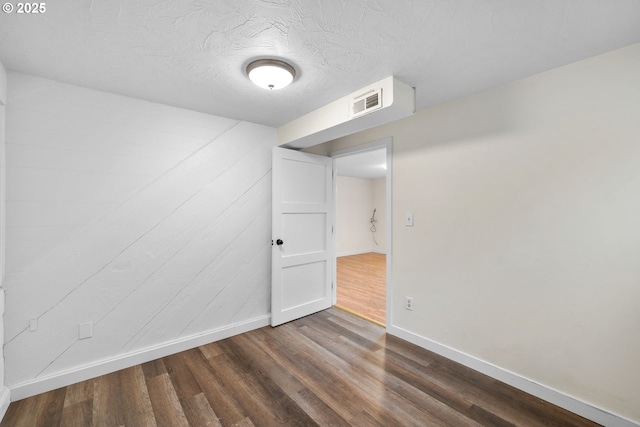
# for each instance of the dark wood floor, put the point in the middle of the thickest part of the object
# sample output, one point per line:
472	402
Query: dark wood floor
362	285
331	368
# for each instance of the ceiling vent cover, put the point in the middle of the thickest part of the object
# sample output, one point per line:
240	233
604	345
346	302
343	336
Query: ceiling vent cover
366	102
350	114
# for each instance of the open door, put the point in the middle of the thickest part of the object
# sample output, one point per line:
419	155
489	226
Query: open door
302	253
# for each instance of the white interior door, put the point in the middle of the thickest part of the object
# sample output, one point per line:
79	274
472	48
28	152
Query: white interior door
302	253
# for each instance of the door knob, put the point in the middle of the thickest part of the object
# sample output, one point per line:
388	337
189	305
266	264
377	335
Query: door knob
279	242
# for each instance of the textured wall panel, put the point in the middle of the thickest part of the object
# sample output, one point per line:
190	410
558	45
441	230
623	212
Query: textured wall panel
150	221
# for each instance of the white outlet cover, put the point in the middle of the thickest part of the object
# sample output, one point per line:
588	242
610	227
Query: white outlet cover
408	303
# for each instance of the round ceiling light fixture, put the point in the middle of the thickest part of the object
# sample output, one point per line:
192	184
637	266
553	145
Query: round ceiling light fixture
271	73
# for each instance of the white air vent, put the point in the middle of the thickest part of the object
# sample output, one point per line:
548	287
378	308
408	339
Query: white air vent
366	102
350	114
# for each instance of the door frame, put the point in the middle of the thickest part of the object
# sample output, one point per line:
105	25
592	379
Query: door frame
369	146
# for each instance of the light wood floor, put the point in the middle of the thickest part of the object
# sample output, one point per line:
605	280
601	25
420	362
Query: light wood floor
362	285
330	368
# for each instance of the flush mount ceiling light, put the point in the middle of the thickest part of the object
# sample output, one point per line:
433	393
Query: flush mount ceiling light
270	73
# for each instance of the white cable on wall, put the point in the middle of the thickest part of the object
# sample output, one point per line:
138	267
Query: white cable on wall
373	226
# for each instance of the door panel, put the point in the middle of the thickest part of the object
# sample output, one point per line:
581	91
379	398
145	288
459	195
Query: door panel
310	189
302	256
313	277
306	233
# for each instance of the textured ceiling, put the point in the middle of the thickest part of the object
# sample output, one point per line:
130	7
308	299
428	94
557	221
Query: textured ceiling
192	53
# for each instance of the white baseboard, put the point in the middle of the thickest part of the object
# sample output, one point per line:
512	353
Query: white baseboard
366	251
5	400
82	373
555	397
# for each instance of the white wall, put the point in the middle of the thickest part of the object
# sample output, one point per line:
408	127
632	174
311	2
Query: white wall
355	200
525	251
4	391
150	221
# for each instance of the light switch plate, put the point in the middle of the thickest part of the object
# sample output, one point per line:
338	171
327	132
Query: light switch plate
408	219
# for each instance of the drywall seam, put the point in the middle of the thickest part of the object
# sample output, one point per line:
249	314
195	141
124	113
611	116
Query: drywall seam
82	373
548	394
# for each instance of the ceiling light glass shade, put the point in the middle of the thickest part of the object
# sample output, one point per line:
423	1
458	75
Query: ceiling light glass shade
271	73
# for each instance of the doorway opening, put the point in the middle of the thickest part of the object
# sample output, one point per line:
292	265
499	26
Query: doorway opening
362	217
361	285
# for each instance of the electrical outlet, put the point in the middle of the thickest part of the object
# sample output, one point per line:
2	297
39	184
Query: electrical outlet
408	303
